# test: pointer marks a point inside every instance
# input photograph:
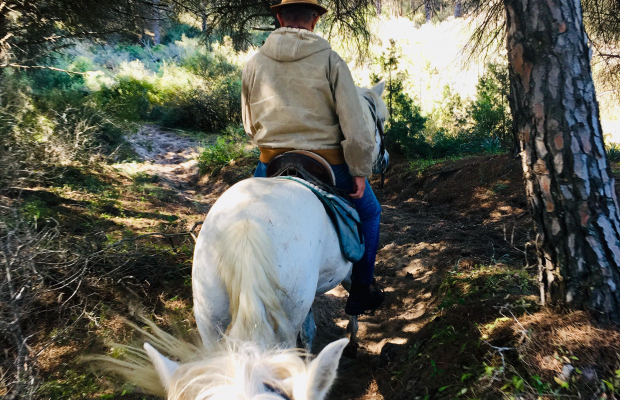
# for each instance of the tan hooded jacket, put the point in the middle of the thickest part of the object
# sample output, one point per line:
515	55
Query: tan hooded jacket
298	93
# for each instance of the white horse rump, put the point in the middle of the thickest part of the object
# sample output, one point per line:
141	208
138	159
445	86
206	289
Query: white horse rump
268	247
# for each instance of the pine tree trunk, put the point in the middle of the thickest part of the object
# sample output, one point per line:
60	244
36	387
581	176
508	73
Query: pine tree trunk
427	10
568	180
378	6
4	36
155	25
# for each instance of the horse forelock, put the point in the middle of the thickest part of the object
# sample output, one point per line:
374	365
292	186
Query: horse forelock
242	371
227	369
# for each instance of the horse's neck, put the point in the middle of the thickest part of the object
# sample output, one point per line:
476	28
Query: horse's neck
370	123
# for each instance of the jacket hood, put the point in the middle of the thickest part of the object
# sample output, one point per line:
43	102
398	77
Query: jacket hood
291	44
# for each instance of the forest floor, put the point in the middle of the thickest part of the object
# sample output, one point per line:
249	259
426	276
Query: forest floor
456	261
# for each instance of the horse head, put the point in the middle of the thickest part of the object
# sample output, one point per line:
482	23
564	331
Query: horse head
244	371
376	113
225	370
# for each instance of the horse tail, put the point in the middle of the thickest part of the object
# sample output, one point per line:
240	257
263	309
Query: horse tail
248	269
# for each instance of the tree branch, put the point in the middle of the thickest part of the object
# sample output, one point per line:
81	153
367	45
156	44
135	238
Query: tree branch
41	67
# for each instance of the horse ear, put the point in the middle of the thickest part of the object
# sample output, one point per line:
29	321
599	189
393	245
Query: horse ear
323	369
379	88
165	368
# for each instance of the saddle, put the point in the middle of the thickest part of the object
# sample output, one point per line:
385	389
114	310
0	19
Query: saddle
302	164
313	172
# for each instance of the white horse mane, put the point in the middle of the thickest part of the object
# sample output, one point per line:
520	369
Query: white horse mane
240	371
228	369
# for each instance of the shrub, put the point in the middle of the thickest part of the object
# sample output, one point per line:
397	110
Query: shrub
613	151
404	131
176	31
229	147
454	128
39	135
443	145
450	115
490	111
128	99
202	92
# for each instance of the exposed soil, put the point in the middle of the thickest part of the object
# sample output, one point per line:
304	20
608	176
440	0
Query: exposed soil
452	217
168	155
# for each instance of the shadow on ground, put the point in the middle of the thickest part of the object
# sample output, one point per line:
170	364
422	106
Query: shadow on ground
451	250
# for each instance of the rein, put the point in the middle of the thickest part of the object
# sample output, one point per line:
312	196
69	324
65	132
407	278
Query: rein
276	391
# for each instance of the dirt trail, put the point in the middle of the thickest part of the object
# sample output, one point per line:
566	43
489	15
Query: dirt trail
170	155
453	217
449	218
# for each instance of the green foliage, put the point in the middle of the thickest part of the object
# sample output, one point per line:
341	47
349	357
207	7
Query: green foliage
483	126
33	31
404	132
34	210
613	151
128	99
453	128
404	128
450	115
41	132
436	371
490	111
72	384
177	30
389	63
201	91
239	19
228	148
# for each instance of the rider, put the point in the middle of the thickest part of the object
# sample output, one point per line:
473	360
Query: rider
298	94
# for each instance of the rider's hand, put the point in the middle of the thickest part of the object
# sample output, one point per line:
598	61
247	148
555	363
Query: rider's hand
359	184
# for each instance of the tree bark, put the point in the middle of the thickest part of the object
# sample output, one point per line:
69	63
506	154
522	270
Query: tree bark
568	180
457	9
4	36
427	10
155	25
378	6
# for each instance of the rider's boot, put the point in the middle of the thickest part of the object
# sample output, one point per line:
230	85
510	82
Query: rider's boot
363	299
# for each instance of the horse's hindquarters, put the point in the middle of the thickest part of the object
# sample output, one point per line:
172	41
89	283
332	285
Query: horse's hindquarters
305	246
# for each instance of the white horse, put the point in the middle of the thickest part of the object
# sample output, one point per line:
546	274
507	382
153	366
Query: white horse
266	249
222	370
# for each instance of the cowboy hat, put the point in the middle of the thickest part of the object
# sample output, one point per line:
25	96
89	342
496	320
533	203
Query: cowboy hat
312	3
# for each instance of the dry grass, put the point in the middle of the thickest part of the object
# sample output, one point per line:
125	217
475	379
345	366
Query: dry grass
554	340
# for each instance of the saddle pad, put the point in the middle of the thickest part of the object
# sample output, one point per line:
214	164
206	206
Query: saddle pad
345	218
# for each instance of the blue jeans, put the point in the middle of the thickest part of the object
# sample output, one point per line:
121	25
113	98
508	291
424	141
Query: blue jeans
369	210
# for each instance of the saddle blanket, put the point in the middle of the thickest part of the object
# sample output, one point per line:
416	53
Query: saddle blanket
345	218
